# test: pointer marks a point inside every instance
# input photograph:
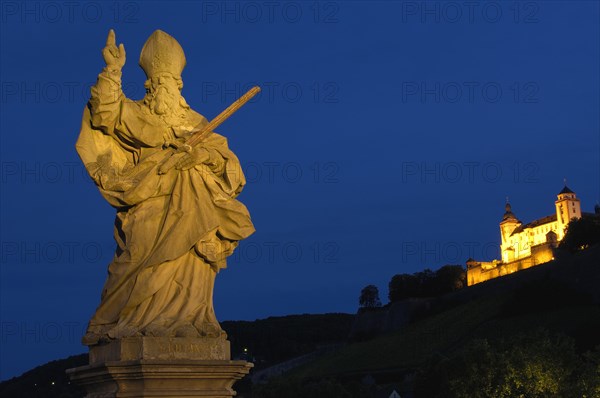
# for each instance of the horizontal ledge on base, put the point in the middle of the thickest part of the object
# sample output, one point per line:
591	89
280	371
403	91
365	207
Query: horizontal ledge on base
160	378
161	348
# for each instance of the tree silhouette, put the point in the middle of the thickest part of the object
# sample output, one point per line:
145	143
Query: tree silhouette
449	278
581	234
403	286
427	283
369	297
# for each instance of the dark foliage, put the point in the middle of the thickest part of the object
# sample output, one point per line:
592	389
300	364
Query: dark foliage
537	364
369	297
403	286
581	234
427	283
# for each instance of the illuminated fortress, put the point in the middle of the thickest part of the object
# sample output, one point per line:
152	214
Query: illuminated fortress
526	245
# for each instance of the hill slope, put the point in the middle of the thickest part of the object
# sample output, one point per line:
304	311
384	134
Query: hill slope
561	296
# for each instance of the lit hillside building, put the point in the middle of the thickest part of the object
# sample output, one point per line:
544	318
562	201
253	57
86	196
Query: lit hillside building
526	245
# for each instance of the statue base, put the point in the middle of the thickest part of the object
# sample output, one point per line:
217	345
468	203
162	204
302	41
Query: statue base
160	367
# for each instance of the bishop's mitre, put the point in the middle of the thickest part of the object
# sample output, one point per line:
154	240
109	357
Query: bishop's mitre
162	54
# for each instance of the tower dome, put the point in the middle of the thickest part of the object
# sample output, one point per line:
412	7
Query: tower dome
566	193
566	189
508	214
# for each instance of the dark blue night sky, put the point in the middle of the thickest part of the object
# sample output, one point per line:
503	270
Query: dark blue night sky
386	139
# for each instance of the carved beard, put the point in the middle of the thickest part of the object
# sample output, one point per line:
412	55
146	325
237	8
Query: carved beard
163	101
171	107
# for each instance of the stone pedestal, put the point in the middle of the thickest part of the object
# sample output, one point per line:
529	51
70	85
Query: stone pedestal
160	367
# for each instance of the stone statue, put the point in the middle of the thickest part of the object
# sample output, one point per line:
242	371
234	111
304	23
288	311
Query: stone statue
173	230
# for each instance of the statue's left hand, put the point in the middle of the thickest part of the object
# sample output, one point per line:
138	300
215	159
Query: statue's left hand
197	155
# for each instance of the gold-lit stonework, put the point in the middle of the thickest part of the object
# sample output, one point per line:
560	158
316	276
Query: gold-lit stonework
174	229
173	182
526	245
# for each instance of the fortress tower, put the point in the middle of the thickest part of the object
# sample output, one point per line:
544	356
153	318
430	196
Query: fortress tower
567	208
507	226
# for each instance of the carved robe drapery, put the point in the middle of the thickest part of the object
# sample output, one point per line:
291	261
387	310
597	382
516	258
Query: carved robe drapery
173	231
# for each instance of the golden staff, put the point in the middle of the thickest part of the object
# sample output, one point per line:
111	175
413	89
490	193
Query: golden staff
200	134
